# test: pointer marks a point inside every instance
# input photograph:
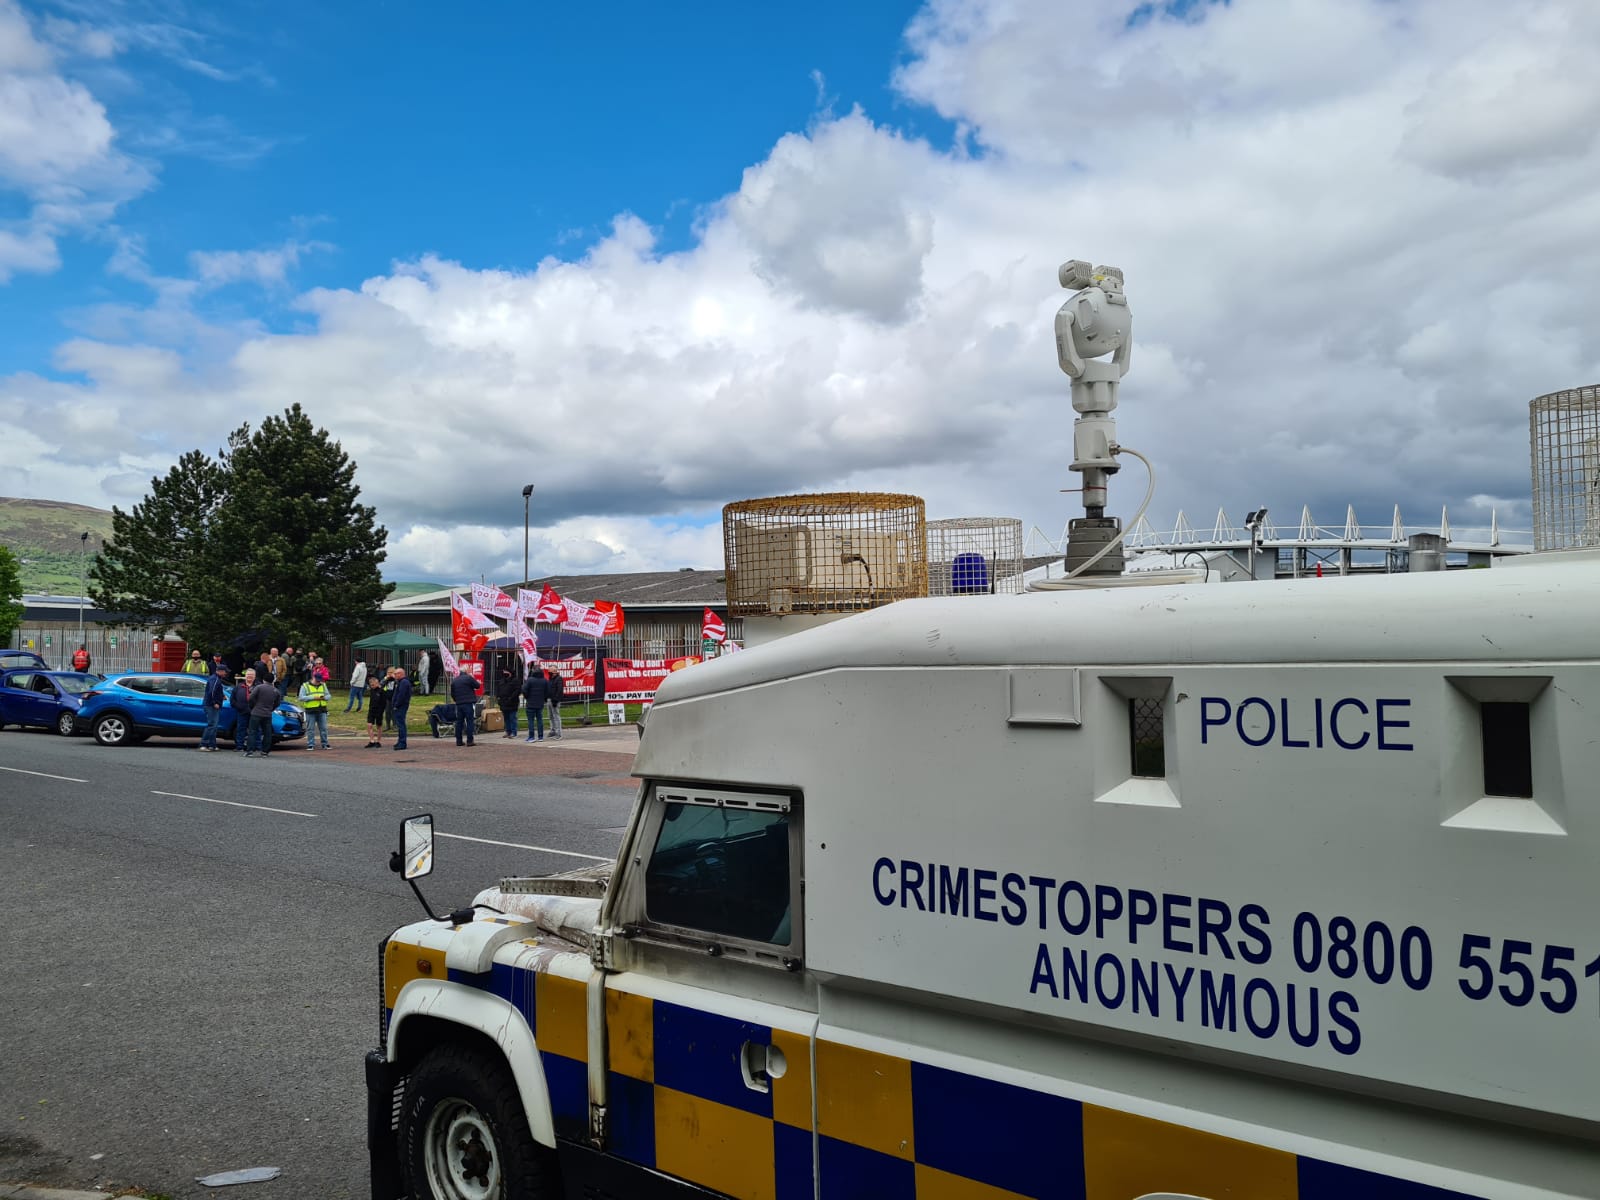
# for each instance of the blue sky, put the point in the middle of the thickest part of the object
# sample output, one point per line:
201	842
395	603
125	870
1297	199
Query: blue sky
496	137
659	258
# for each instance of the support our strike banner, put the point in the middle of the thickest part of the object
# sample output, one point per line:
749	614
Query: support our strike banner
576	673
638	678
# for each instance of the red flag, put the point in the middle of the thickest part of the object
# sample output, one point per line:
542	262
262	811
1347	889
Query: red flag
552	608
712	629
613	612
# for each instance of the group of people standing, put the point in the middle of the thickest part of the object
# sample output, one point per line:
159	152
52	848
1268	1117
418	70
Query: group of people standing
539	689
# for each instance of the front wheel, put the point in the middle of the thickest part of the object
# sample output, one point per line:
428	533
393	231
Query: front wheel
464	1134
113	730
64	724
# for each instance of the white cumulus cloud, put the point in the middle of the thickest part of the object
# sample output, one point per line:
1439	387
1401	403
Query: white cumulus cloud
1358	235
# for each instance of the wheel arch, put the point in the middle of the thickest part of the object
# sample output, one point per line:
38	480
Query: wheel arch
430	1012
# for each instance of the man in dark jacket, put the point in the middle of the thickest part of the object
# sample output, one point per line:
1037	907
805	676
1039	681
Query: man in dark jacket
263	699
399	702
536	691
509	696
464	691
240	701
211	703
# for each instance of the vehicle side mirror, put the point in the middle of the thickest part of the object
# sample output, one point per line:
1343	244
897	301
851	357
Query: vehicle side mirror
416	846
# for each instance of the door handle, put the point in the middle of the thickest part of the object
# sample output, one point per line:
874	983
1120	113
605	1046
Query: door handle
760	1064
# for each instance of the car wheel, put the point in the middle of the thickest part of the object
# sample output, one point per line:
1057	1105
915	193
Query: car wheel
64	724
113	729
465	1134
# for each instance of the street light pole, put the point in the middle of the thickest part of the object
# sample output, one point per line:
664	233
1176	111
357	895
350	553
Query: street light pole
527	494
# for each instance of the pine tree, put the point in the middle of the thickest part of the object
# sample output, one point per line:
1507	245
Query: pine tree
158	551
267	544
303	555
10	594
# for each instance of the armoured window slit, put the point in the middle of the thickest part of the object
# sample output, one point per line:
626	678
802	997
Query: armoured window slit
1507	743
1147	740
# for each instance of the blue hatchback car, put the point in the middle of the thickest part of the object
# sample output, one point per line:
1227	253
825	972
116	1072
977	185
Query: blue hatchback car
141	704
47	698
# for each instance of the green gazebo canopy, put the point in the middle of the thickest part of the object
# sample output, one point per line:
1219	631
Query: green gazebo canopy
396	640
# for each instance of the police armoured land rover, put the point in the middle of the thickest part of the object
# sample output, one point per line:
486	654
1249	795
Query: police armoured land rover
1268	892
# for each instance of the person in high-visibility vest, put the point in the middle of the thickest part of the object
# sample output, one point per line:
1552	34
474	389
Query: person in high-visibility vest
314	699
80	658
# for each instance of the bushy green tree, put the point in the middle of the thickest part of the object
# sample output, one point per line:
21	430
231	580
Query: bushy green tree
160	551
286	550
10	595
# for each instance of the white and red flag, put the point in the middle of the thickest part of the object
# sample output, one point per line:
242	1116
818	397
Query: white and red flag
468	626
614	616
518	629
712	629
451	666
552	608
583	619
492	600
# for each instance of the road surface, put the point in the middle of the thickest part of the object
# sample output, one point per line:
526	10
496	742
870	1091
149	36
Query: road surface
191	940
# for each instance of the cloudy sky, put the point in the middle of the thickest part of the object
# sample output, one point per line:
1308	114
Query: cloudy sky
652	265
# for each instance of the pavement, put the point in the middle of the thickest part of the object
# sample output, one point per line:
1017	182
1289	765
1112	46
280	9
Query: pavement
26	1191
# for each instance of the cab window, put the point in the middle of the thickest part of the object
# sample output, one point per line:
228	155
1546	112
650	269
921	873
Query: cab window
192	687
21	682
143	683
722	869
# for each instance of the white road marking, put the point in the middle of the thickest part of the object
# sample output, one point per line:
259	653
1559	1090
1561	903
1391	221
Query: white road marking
461	837
42	775
288	812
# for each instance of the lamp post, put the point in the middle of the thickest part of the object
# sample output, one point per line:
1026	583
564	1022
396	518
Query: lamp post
83	579
527	495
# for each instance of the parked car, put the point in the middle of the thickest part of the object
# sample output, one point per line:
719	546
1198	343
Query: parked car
138	704
47	698
10	660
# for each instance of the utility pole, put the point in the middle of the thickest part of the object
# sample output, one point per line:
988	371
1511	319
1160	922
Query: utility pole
83	579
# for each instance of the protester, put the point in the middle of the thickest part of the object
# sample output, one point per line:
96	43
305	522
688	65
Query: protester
240	700
80	658
280	669
216	695
263	665
314	699
376	697
435	672
358	685
399	704
264	697
319	669
464	691
425	683
509	697
558	691
195	665
536	691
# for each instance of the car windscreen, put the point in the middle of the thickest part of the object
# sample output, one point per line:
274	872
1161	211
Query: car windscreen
76	685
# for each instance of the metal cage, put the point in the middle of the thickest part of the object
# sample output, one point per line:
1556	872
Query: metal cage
970	556
1564	435
830	552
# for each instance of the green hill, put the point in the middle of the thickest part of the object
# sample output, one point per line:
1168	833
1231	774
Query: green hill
47	536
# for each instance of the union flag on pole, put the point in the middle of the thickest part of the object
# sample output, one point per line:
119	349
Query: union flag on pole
467	625
490	599
712	629
614	617
552	608
451	666
583	619
529	645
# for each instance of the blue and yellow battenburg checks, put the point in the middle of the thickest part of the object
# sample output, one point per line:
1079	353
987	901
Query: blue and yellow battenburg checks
888	1128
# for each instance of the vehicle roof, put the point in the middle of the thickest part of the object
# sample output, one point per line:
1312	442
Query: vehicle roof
1536	612
52	674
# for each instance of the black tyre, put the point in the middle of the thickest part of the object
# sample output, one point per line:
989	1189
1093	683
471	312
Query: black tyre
64	724
463	1133
113	729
